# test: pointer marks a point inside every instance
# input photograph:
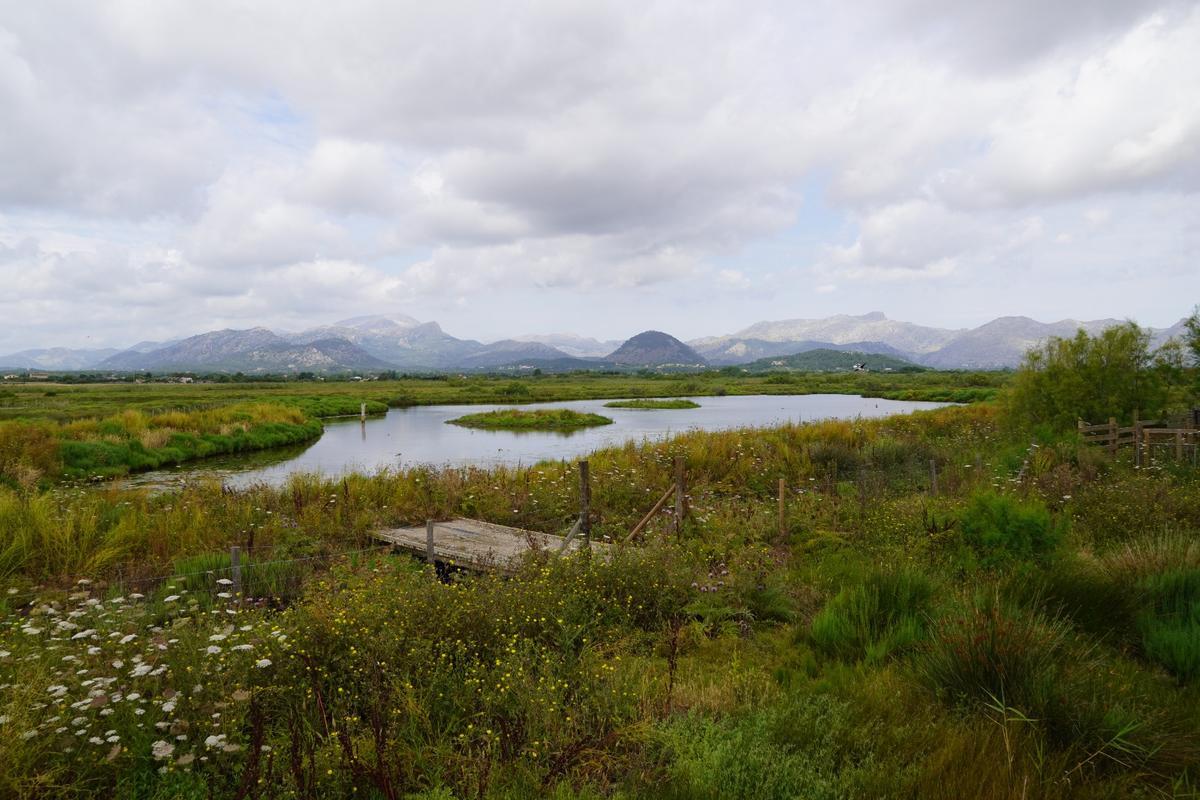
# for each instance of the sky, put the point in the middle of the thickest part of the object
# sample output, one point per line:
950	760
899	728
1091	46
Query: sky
506	168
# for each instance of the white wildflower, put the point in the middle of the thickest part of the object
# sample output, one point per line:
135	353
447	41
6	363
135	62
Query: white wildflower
263	663
161	749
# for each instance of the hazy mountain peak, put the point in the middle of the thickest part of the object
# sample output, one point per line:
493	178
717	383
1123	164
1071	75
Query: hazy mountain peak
654	349
572	344
377	321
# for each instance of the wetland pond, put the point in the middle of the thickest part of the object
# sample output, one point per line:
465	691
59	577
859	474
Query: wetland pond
420	435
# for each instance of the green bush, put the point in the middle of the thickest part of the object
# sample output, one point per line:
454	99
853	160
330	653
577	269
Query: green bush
877	618
998	528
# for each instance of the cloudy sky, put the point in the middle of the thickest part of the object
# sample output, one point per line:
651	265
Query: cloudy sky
511	167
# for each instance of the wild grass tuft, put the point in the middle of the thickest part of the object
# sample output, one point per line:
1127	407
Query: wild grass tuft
882	616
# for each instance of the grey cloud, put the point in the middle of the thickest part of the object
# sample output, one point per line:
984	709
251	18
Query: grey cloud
1000	36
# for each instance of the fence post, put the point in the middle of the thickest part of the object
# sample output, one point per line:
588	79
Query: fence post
679	491
782	520
1112	435
933	477
1178	445
1137	440
362	412
235	570
585	502
429	555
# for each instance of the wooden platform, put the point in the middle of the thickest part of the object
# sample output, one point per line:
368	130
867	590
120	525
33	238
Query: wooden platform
477	545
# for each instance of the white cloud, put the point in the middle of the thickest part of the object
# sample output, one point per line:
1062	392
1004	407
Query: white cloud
220	156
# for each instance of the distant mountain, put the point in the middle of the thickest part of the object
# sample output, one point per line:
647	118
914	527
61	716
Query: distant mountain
655	349
742	351
829	360
905	337
572	345
510	351
1003	342
147	347
253	350
403	343
57	358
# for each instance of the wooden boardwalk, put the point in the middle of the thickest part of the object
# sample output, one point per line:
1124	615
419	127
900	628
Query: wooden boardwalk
477	545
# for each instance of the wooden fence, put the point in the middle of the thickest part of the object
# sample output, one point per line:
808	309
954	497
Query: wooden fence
1150	439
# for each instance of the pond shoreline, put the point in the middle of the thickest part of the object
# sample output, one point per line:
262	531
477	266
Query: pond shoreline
406	437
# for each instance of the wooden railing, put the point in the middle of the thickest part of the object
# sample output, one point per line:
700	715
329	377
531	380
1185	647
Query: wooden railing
1143	436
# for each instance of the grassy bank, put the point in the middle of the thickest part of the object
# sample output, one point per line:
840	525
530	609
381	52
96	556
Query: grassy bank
551	419
652	404
40	451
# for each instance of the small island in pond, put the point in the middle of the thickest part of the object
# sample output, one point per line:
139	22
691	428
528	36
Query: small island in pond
556	419
672	403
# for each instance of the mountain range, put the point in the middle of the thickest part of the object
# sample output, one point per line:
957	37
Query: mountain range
378	343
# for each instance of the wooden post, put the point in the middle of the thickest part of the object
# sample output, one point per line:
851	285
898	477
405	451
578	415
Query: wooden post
362	412
662	501
679	491
235	570
933	478
429	556
585	502
1112	435
1137	440
782	519
1178	445
1147	453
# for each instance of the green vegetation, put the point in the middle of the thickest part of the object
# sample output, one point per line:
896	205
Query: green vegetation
651	404
1030	630
94	448
63	403
549	419
1093	378
998	527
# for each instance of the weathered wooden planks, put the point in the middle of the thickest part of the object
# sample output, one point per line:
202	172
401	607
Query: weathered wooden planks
473	544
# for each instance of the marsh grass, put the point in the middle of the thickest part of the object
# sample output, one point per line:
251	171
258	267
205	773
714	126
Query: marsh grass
880	617
556	419
721	660
653	404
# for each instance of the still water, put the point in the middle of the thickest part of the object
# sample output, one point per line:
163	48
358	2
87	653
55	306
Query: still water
420	435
